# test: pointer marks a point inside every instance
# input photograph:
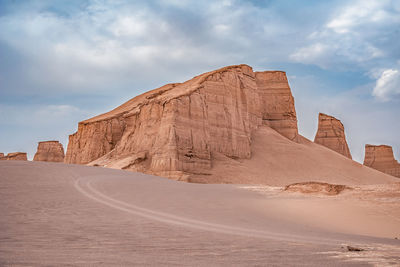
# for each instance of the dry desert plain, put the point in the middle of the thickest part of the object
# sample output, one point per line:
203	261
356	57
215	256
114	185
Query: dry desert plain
256	192
55	214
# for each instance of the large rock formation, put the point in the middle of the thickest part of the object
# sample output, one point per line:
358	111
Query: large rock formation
381	158
14	156
174	130
49	151
331	134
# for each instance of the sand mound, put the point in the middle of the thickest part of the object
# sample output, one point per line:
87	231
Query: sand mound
278	161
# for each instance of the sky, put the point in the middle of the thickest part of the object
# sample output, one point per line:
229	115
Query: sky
62	62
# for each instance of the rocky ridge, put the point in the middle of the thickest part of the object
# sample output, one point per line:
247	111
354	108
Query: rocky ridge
331	134
52	151
14	156
174	130
382	159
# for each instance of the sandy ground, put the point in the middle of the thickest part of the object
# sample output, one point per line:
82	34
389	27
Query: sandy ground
62	215
276	160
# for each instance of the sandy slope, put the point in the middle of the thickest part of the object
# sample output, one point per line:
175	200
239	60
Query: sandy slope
278	161
56	214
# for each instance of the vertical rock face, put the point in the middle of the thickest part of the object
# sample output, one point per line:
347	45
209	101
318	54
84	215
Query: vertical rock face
277	102
381	158
52	151
14	156
174	130
331	134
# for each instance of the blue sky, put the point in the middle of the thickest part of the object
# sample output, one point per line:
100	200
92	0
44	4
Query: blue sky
64	61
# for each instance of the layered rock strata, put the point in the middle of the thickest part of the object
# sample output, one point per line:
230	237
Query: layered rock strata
15	156
174	130
331	134
382	159
52	151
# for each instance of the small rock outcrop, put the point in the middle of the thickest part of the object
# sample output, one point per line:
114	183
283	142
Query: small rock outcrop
331	134
15	156
173	131
316	188
1	155
382	159
52	151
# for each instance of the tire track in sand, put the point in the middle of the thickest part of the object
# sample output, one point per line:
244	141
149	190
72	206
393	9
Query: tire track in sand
84	186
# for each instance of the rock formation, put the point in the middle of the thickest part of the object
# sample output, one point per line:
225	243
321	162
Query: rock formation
15	156
1	155
381	158
52	151
174	130
331	134
316	187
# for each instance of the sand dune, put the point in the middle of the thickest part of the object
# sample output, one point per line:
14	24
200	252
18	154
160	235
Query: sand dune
58	214
278	161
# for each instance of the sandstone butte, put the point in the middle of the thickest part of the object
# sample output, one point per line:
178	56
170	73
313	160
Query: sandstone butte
231	125
14	156
330	133
382	159
52	151
174	129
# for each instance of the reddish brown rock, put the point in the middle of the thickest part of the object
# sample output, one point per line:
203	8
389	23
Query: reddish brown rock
52	151
174	130
1	155
15	156
316	187
382	159
277	103
331	134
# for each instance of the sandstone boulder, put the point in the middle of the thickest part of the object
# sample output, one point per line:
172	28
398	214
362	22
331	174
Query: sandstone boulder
331	134
52	151
174	130
382	159
15	156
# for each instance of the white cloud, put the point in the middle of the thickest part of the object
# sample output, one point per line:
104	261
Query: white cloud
388	85
353	37
311	53
129	26
357	13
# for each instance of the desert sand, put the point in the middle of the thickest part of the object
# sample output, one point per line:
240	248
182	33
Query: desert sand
59	215
278	161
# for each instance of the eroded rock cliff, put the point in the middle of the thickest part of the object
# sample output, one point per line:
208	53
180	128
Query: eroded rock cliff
14	156
382	159
52	151
331	134
174	130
